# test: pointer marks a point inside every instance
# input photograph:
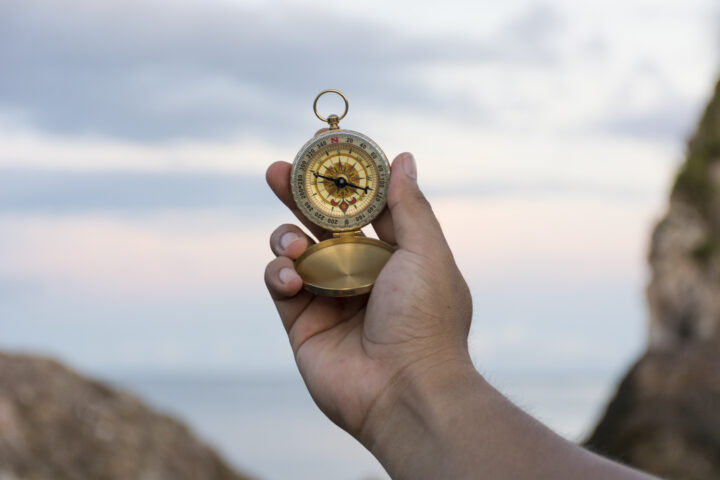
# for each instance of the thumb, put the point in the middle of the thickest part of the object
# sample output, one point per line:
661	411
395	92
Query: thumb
415	226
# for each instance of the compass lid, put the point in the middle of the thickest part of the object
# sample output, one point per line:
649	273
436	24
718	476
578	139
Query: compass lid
343	266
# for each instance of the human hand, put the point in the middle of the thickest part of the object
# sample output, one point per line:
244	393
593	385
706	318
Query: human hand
392	368
357	354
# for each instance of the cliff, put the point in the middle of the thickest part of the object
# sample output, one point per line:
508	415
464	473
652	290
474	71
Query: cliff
665	416
57	425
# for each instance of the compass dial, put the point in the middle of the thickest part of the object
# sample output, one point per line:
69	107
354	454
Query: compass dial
339	180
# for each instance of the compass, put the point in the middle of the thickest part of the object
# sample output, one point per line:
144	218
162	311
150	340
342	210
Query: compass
339	181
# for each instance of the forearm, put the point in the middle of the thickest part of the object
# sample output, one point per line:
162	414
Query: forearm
446	422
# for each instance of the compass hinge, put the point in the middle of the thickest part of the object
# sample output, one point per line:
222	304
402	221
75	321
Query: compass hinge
353	233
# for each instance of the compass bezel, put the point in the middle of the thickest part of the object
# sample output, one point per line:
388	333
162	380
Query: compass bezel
349	221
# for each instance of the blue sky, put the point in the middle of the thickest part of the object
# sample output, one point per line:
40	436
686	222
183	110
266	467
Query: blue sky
134	136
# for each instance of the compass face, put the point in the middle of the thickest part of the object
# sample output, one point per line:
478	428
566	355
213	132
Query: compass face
339	180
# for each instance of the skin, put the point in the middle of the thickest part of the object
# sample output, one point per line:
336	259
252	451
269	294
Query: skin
392	368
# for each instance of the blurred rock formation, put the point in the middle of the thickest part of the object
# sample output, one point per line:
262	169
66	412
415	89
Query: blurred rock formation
57	425
665	416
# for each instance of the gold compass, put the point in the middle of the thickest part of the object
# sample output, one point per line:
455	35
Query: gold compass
339	181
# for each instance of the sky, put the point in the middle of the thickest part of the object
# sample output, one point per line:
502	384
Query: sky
134	136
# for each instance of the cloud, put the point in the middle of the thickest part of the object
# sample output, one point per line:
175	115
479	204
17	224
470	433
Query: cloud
669	121
540	21
40	190
649	105
159	71
27	149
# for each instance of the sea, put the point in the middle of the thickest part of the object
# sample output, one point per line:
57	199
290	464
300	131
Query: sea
267	426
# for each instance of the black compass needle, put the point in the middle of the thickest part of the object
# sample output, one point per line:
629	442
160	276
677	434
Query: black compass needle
365	189
326	178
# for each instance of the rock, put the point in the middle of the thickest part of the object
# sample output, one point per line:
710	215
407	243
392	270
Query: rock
684	294
665	416
58	425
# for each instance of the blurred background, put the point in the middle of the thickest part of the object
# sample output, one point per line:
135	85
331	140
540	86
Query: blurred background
134	215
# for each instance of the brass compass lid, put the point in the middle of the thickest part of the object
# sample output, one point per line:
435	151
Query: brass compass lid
343	266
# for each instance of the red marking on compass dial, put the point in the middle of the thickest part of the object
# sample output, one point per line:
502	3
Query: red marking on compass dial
344	206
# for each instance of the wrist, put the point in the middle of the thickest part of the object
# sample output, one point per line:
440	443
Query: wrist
409	421
440	419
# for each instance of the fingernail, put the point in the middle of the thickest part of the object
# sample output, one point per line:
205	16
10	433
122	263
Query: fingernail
287	275
409	166
287	239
